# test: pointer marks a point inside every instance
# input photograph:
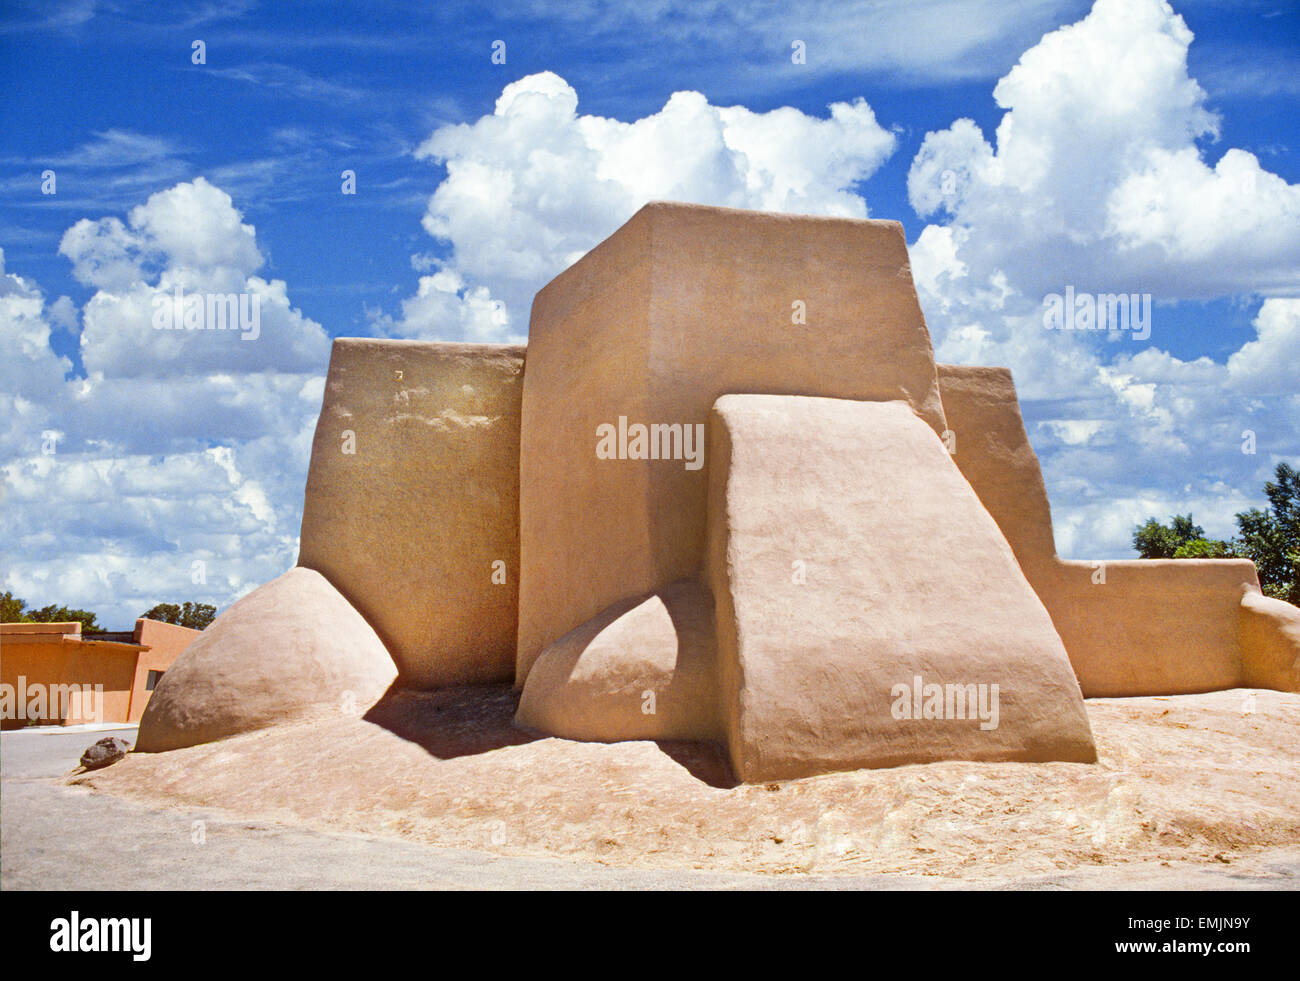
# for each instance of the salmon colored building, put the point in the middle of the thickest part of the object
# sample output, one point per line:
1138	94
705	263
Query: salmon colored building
52	674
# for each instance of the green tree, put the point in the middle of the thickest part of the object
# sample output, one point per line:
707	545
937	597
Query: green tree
1207	548
14	610
1272	537
61	614
1156	541
194	615
11	609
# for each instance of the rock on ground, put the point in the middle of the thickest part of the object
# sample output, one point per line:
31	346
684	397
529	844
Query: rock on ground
104	753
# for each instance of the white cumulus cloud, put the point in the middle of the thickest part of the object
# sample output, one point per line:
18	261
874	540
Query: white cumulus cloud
178	459
1095	176
1098	178
536	184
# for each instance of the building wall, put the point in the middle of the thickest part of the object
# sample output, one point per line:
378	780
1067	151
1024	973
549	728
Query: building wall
101	663
38	660
165	642
415	520
56	655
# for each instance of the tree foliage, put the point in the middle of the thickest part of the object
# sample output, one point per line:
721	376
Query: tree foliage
14	610
1270	538
11	608
1156	541
1207	548
194	615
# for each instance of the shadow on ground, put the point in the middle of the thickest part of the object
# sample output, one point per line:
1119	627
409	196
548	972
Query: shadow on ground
474	719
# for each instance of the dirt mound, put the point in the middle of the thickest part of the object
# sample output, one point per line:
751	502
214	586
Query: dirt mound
1191	778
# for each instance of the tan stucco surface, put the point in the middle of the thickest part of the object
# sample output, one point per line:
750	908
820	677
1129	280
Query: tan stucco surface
847	555
643	669
993	453
289	650
1270	642
1154	627
409	526
682	304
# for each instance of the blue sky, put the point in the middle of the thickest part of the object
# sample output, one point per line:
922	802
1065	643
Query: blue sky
1132	147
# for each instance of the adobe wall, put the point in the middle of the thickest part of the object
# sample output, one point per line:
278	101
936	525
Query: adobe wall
1131	627
992	450
39	661
683	304
1154	626
55	655
412	503
44	657
91	663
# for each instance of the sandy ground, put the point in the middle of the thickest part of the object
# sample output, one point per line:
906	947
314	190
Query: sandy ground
1183	783
59	837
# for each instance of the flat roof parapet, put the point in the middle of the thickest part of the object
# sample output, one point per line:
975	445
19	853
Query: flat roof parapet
65	629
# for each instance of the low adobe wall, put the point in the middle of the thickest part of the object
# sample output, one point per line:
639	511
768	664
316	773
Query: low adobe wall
1150	626
1131	627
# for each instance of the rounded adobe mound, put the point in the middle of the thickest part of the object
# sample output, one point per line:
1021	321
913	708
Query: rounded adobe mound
642	669
290	648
